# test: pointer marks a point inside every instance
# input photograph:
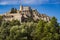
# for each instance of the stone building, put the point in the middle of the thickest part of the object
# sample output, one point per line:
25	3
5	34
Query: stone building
25	13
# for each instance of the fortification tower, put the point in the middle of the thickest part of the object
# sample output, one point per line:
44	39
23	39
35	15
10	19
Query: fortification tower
21	8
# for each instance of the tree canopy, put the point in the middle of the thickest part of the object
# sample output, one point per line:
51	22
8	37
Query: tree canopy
14	30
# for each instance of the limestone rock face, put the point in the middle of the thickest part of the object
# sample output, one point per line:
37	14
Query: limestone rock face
25	14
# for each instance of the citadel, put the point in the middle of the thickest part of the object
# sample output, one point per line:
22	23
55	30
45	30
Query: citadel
24	14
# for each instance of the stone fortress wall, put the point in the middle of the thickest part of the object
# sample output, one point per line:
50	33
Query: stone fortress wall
25	12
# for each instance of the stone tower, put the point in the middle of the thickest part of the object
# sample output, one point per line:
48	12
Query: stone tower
21	8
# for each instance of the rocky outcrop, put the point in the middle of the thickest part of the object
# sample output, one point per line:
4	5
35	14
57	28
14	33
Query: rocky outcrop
25	14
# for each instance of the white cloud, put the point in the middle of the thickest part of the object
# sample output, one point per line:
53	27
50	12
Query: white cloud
8	2
5	2
29	2
34	1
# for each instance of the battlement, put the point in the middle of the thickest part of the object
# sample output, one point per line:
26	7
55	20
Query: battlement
23	8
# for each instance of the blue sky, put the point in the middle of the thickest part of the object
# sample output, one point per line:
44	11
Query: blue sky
49	7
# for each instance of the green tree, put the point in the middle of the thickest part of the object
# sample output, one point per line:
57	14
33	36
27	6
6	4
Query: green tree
54	22
30	27
14	22
18	33
1	19
46	31
6	27
13	30
39	30
4	30
53	28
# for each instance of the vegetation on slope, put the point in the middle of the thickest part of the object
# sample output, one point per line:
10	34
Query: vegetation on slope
14	30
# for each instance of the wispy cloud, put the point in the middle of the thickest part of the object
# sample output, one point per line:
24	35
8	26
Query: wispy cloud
8	2
34	1
3	3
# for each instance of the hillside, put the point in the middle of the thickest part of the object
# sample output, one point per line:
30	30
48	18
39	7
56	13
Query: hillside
25	14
